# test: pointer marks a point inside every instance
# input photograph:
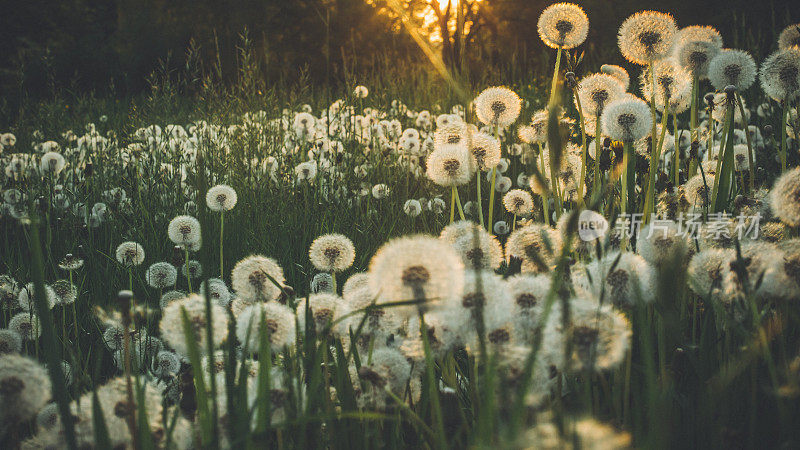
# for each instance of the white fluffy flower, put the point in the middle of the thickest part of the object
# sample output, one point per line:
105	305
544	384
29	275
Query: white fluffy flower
332	253
279	323
563	25
130	254
184	230
498	106
627	119
172	328
221	198
732	67
251	278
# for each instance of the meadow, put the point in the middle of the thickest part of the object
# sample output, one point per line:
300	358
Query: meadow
606	258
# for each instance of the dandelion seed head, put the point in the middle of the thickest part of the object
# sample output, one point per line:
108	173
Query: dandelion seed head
52	163
24	388
705	270
660	243
789	37
250	278
449	165
278	320
130	254
619	73
646	36
65	292
184	230
172	328
332	253
10	342
480	251
596	91
161	275
26	298
166	364
780	74
416	267
48	417
627	119
673	85
26	325
519	202
498	106
217	291
412	207
485	151
221	198
732	67
784	198
325	309
536	245
563	25
70	262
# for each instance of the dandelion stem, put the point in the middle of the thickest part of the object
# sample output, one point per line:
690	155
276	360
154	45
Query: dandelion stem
188	273
750	157
221	237
583	150
555	75
676	157
480	201
598	143
490	223
784	120
458	203
452	204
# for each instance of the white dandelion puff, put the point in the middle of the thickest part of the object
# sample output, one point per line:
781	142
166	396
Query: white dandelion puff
332	253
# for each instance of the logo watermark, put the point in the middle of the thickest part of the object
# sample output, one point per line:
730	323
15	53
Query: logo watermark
716	226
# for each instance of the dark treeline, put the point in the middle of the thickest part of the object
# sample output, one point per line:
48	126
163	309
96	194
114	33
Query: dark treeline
114	45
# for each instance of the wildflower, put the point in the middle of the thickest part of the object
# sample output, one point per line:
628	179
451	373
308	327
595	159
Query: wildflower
627	119
192	269
332	253
785	197
380	191
52	163
412	207
65	292
446	331
26	325
624	278
130	254
24	388
732	68
27	300
695	47
780	74
501	228
8	139
10	342
518	202
485	150
646	36
322	282
449	165
536	245
619	74
184	230
528	296
172	328
704	273
221	198
325	309
48	417
598	335
452	132
480	250
597	90
166	364
217	290
251	278
170	296
659	242
420	268
361	92
789	37
306	171
161	275
673	85
498	106
388	370
563	25
278	319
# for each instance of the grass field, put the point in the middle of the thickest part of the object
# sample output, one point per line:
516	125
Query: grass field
411	260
